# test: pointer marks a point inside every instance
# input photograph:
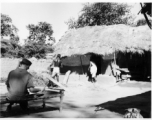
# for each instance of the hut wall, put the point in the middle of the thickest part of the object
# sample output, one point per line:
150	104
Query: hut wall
76	64
138	65
75	69
106	68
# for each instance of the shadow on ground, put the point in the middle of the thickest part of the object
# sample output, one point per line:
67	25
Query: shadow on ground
17	111
140	101
51	110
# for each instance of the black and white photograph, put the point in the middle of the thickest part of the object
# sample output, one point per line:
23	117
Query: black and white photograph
75	59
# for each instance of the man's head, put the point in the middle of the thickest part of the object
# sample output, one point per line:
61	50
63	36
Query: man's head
58	56
25	63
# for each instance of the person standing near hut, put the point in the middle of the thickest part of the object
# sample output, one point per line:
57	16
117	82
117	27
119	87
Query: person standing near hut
93	71
56	68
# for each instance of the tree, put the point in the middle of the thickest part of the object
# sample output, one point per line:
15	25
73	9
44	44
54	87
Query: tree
142	21
40	32
146	10
7	28
35	49
72	23
9	48
14	38
100	14
35	44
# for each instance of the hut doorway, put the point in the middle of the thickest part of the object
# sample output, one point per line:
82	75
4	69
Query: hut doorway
98	60
139	65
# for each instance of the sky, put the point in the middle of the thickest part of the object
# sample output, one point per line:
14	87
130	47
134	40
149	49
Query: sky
55	13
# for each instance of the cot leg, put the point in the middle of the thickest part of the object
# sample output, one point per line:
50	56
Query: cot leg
117	80
61	100
43	105
9	107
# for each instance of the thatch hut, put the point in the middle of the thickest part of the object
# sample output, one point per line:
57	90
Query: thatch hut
105	41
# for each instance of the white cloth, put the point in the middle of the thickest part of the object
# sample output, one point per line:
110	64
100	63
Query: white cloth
56	71
93	69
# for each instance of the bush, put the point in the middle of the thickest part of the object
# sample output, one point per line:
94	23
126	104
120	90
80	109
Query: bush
38	79
11	49
3	80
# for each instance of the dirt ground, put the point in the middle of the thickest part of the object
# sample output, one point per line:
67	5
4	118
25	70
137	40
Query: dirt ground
82	97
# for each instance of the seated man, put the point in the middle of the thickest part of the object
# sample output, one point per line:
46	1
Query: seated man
19	80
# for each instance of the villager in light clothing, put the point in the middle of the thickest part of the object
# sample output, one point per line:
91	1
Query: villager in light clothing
93	71
56	69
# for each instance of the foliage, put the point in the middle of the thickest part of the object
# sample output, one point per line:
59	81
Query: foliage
100	14
38	79
49	48
14	38
12	50
3	80
40	32
9	48
72	23
35	44
142	22
7	28
34	49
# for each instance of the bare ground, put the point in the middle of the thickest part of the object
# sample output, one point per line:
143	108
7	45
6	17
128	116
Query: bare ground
83	97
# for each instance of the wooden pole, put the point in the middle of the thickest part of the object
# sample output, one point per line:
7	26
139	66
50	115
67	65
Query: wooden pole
66	78
114	58
61	100
115	64
81	65
47	76
127	56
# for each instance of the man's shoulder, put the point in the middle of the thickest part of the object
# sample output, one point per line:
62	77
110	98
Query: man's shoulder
22	71
12	71
27	73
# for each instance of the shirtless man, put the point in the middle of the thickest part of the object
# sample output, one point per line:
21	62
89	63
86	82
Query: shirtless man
19	82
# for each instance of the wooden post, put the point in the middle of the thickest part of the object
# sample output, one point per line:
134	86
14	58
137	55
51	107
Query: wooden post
145	67
47	76
115	64
43	105
81	65
127	55
65	80
61	100
115	58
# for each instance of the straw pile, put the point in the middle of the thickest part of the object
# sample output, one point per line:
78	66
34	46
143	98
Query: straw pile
104	40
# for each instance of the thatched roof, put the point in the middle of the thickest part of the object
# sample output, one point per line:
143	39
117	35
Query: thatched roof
104	40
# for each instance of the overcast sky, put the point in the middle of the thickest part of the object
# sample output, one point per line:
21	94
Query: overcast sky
56	14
